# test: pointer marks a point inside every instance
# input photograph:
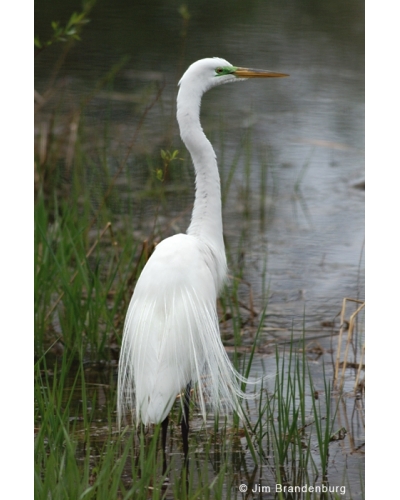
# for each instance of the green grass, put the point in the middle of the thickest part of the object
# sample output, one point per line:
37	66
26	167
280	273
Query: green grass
80	454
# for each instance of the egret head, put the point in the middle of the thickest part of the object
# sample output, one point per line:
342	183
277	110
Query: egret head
213	71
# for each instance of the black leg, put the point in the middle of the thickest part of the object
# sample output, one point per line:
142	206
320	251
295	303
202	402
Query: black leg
164	428
185	423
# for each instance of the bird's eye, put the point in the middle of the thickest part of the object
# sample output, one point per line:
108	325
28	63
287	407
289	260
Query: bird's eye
219	71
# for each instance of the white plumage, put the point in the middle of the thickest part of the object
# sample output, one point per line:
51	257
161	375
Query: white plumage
171	335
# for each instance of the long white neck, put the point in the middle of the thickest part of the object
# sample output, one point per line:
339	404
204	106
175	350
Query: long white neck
206	223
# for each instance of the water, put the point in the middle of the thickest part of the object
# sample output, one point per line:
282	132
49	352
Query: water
309	128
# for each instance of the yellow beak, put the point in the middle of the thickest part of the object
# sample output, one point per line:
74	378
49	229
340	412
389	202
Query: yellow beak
257	73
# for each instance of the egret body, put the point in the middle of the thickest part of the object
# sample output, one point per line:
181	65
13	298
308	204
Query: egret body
171	337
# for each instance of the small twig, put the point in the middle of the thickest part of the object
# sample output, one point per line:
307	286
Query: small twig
359	369
143	253
339	345
349	338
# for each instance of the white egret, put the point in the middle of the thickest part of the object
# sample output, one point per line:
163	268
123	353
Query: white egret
171	337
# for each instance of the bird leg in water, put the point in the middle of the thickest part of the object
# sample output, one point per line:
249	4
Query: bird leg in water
164	429
185	423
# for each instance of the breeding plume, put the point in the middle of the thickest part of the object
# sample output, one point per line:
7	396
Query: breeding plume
171	340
